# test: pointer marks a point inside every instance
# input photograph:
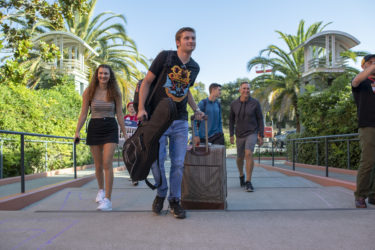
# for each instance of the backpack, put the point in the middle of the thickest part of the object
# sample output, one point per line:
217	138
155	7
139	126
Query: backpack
153	87
204	101
141	150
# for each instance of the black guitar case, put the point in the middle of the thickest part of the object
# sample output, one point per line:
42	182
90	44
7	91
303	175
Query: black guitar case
142	148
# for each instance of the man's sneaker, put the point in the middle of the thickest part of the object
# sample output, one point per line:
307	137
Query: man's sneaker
135	183
249	187
100	196
105	205
371	200
360	203
176	209
157	205
242	181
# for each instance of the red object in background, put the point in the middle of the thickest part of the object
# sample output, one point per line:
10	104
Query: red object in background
261	69
268	132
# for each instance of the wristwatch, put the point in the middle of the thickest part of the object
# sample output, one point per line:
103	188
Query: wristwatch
197	110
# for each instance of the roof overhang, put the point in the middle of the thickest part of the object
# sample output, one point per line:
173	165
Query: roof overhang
346	40
51	35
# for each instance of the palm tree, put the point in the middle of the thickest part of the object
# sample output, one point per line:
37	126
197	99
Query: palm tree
278	91
109	39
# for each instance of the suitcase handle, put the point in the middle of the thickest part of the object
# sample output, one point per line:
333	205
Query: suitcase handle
197	150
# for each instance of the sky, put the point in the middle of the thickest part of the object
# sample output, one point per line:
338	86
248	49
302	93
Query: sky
231	32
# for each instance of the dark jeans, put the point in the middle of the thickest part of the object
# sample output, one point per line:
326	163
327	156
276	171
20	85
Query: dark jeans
217	138
366	171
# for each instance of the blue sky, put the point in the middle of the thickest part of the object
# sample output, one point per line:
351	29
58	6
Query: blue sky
231	32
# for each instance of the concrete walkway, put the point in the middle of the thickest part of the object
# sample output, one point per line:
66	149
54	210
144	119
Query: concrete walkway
284	212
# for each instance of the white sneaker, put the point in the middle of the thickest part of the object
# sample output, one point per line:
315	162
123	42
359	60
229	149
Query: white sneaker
100	196
105	205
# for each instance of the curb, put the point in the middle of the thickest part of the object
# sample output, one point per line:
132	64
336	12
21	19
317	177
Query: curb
324	181
19	201
29	177
23	200
323	168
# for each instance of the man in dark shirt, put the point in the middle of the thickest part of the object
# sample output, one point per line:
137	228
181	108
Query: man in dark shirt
363	88
176	77
247	120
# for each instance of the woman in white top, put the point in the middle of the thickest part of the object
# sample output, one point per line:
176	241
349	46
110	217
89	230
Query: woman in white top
103	97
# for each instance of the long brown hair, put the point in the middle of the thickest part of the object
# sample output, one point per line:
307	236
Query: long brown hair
113	90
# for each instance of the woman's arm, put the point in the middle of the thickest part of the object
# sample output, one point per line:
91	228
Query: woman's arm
120	115
83	115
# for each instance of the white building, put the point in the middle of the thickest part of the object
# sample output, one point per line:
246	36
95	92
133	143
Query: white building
322	54
72	59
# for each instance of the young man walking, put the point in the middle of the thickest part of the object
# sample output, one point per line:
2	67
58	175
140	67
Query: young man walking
247	120
212	108
176	79
363	88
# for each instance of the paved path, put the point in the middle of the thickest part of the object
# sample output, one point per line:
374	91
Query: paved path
284	212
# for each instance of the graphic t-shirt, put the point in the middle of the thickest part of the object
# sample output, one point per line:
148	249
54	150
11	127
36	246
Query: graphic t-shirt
176	81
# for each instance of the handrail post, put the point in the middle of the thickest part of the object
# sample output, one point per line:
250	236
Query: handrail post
118	156
74	160
293	155
273	157
258	154
326	149
22	163
317	153
1	160
348	152
286	149
46	158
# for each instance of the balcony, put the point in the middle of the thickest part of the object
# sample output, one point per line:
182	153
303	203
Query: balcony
320	65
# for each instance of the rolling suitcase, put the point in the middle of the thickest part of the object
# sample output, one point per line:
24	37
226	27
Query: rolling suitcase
204	182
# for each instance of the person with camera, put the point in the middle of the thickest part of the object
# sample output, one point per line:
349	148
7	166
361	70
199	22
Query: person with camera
363	89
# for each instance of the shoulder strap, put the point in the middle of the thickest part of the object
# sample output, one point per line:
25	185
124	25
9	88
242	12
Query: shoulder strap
167	64
204	102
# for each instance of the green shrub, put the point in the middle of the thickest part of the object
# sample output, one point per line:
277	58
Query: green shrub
329	112
314	153
52	111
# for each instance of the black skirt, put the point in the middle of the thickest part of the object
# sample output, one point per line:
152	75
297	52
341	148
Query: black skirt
102	130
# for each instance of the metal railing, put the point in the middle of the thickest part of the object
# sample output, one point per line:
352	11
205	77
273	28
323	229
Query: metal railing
22	151
326	139
266	148
321	62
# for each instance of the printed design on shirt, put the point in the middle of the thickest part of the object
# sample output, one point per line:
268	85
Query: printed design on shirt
177	84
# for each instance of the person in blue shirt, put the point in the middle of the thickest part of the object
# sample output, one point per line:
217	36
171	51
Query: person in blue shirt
212	108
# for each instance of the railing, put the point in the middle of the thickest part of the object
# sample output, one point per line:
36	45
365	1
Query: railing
322	63
69	65
22	151
269	147
318	139
327	139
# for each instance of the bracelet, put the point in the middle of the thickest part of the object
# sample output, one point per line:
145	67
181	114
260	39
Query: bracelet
197	110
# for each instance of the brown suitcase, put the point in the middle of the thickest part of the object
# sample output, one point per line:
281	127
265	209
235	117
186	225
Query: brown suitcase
204	182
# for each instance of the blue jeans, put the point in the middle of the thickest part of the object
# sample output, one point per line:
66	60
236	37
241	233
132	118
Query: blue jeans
178	137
